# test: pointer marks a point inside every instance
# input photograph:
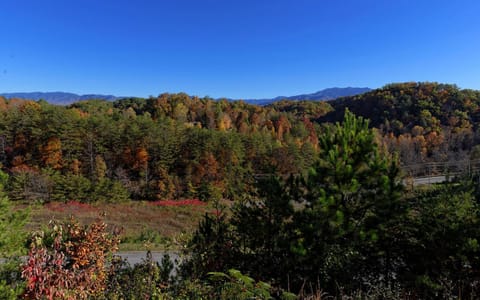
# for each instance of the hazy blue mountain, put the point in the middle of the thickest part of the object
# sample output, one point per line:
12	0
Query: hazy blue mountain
323	95
61	98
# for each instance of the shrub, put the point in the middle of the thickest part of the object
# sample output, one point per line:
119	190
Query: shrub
11	283
236	285
146	280
69	261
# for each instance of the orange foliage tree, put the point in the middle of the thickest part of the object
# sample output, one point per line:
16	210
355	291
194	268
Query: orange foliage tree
141	159
52	153
69	262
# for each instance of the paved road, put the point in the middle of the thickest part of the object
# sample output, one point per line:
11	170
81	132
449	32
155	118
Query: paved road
135	257
427	180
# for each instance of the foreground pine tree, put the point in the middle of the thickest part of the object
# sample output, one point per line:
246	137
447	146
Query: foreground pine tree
12	243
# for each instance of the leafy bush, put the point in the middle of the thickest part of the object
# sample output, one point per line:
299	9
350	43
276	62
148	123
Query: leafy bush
69	261
11	283
146	280
236	285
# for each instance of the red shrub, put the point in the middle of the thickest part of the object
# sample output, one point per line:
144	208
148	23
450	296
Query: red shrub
185	202
72	206
73	266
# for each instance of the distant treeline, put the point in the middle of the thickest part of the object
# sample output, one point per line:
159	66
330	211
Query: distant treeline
173	146
176	146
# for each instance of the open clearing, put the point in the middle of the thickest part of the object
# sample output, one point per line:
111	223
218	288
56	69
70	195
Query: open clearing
143	225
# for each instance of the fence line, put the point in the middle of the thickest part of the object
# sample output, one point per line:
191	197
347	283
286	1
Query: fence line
446	168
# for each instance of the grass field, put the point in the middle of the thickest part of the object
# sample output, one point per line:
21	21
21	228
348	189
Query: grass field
159	225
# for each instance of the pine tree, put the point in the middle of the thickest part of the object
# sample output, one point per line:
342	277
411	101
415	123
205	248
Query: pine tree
352	198
12	235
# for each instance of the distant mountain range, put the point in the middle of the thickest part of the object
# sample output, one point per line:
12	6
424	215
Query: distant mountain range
63	98
323	95
60	98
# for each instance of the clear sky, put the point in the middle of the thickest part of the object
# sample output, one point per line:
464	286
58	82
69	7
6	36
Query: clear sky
235	48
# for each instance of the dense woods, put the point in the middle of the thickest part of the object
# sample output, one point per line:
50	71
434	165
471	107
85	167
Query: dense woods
317	201
421	121
173	146
177	146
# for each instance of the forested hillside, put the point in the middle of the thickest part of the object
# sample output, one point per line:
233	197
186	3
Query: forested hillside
173	146
177	146
422	121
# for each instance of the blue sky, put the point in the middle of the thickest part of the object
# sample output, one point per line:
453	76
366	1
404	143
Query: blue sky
237	49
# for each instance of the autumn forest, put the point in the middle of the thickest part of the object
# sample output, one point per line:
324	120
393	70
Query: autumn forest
176	146
308	197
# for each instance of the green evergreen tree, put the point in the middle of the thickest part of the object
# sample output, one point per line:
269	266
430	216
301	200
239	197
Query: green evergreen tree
109	191
12	243
261	224
351	204
442	252
342	216
12	234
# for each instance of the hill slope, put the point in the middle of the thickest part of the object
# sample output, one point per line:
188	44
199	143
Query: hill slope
420	121
399	107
